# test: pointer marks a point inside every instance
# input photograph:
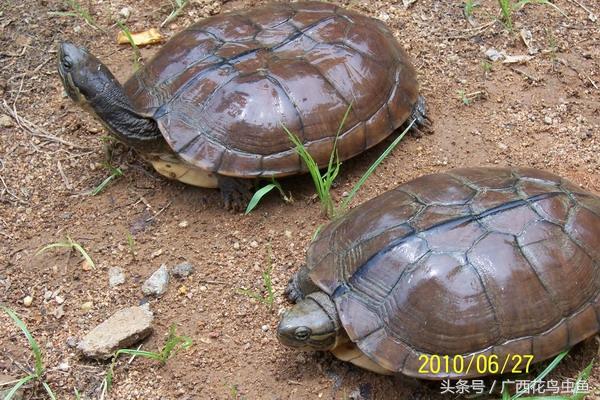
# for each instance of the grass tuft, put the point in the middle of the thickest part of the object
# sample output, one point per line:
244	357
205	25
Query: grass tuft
269	298
137	55
178	6
262	192
70	244
172	346
115	173
507	7
38	370
322	182
78	11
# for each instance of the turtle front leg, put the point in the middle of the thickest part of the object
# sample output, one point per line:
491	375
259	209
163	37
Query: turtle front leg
419	115
300	285
236	193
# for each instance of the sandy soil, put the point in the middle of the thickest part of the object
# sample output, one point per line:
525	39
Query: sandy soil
543	113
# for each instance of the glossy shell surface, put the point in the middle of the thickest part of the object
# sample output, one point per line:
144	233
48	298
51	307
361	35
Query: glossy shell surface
475	261
222	88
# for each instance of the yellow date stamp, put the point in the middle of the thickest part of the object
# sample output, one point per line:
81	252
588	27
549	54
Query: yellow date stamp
480	364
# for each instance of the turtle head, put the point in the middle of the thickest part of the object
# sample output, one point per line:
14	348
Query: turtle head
83	76
312	324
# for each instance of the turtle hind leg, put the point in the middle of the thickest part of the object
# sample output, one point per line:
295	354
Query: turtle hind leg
419	115
236	193
300	285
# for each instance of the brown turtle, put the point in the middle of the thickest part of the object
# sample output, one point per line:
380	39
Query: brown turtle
474	262
208	108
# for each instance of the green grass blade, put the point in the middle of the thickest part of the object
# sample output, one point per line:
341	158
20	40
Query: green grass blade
180	4
542	375
260	193
102	185
141	353
582	377
17	386
49	391
53	246
83	253
136	50
35	348
373	166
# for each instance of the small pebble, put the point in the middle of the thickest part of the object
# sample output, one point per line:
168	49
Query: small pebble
156	253
87	306
63	366
253	244
59	299
236	246
86	266
548	120
182	270
156	285
72	341
265	328
213	335
203	288
183	224
115	276
125	12
27	301
6	121
48	295
288	234
182	290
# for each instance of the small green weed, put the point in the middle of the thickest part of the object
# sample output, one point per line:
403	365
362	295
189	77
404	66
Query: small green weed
131	243
137	55
324	182
172	345
78	11
38	369
70	244
115	173
507	7
262	192
462	95
269	298
486	66
582	377
469	7
178	6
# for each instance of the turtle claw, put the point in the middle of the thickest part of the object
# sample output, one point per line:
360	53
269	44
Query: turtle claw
236	193
292	291
419	115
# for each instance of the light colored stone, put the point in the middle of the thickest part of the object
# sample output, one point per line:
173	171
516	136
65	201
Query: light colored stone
123	329
87	306
27	301
6	121
182	270
116	276
156	285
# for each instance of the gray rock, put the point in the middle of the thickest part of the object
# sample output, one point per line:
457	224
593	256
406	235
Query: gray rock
115	276
493	54
72	341
182	270
6	121
156	285
123	329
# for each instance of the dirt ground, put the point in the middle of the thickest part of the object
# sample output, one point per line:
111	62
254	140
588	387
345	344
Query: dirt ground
542	113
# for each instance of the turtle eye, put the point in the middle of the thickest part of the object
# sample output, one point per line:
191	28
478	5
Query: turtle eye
66	62
302	333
